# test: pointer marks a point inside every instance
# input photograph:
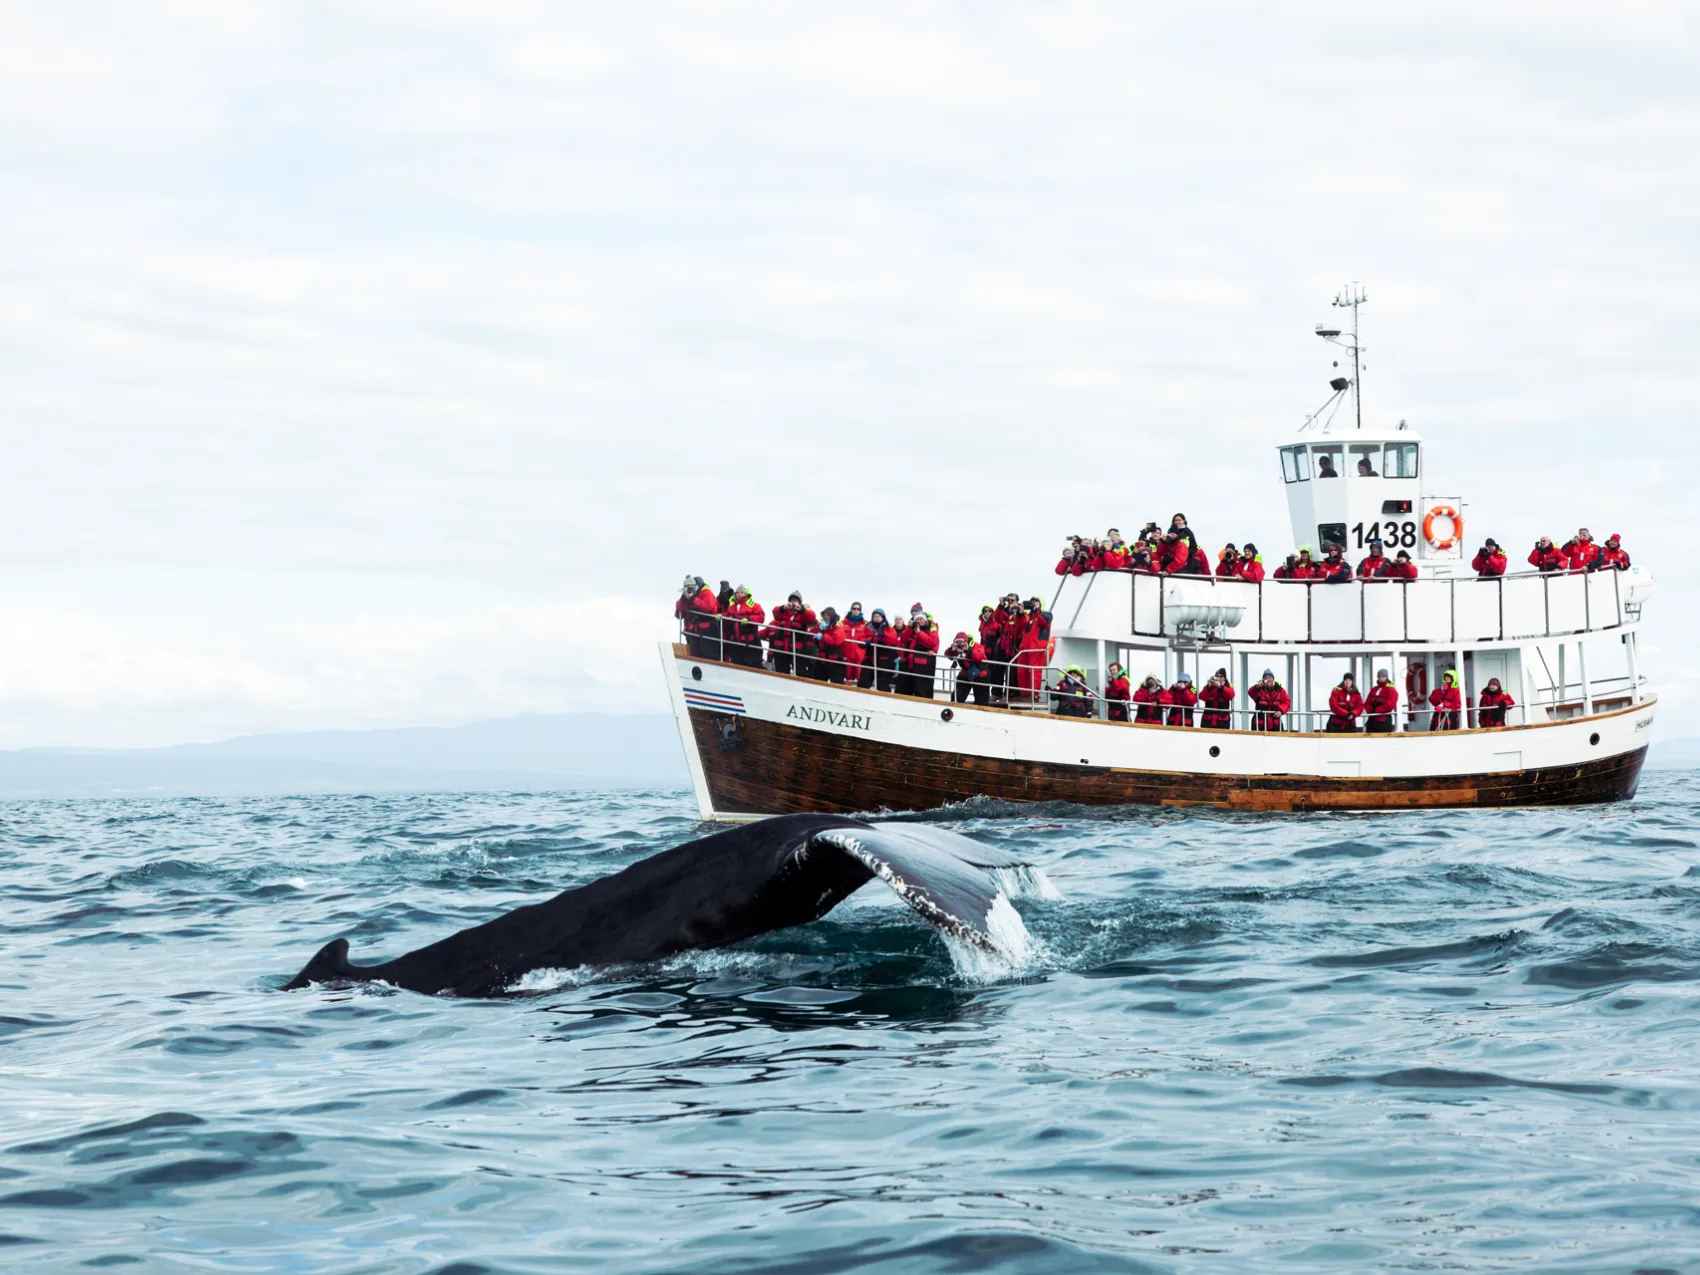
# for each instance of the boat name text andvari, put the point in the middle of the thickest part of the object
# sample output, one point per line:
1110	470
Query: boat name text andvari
828	717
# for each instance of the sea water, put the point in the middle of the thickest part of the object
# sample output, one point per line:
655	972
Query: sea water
1426	1041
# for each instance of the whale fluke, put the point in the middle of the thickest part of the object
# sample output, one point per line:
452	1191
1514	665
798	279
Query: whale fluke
720	889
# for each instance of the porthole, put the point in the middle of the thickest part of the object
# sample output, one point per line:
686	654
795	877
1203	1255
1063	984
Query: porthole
1594	738
1215	750
696	673
945	715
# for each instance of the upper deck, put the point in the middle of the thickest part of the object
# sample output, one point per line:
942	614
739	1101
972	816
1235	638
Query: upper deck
1431	611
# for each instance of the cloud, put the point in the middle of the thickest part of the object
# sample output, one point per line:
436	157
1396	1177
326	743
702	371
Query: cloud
538	304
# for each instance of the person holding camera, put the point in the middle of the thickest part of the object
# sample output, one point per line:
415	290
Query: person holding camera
920	658
697	610
1217	696
1182	698
1228	562
1490	560
1035	650
1546	556
973	676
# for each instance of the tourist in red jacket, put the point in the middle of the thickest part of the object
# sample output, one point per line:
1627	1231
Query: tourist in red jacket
1489	561
1580	552
1144	561
1181	700
830	667
1546	556
696	609
1381	703
1217	696
921	648
1371	568
1072	697
1012	624
1447	702
745	619
1288	568
1612	557
1073	560
857	670
1334	569
1148	702
885	642
1114	557
991	628
973	676
1228	563
1270	701
1173	554
1116	693
1035	650
1492	703
1345	705
1401	568
1251	564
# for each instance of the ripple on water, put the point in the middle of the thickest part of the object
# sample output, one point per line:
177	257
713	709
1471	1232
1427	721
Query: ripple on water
1435	1040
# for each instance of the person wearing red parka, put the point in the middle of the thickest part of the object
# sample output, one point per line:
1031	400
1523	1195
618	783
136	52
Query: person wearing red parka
745	619
1270	701
1381	703
1345	705
1580	552
1546	556
1251	564
1181	700
1447	702
1116	693
1217	696
1612	557
921	649
1492	703
1489	561
1148	702
1401	568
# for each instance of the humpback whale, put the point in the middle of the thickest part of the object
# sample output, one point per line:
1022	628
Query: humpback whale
728	886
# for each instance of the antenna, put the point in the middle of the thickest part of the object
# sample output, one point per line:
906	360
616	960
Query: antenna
1353	296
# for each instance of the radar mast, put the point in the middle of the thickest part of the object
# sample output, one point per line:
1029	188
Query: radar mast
1351	296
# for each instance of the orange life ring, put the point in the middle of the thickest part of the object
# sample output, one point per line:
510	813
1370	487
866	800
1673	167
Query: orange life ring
1416	683
1443	511
1050	652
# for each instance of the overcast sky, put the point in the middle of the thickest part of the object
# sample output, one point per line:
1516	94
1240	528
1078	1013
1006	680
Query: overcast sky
382	365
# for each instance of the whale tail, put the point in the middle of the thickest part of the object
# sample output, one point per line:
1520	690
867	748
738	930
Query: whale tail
722	889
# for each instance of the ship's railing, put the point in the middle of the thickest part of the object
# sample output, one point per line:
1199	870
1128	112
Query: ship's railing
1430	611
1032	685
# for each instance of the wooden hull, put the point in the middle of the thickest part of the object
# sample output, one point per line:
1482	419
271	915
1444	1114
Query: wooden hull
754	767
763	743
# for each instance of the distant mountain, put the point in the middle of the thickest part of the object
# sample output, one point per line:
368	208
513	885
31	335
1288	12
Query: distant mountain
533	753
1674	754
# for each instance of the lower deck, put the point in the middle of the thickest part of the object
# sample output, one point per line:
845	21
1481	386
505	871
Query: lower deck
761	742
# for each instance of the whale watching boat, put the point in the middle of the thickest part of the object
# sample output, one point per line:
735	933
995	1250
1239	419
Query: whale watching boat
760	741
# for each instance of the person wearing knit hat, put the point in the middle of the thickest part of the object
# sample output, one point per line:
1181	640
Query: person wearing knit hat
1490	560
1217	696
1182	698
1612	557
1271	702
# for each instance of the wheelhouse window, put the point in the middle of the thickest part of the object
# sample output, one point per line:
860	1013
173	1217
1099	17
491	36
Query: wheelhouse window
1366	458
1295	464
1328	457
1399	460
